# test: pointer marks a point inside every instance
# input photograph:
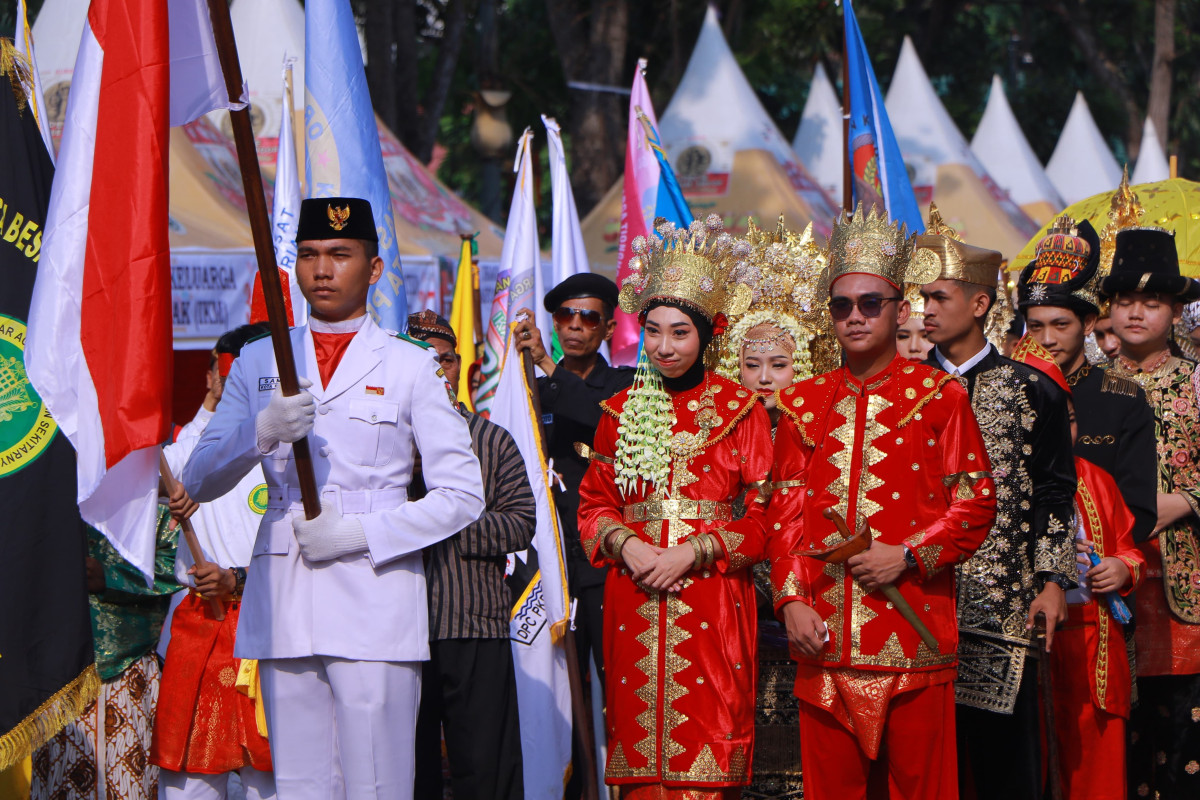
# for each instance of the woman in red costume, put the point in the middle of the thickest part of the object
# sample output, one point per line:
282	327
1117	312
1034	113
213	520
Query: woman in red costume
671	454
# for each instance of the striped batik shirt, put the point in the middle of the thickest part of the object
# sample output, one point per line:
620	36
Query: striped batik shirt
468	598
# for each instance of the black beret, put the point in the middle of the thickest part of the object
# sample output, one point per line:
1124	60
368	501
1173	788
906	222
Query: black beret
336	218
582	284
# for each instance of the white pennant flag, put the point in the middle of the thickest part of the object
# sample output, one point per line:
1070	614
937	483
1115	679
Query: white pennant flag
540	615
285	215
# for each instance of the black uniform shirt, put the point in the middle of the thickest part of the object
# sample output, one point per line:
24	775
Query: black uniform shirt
571	412
1116	433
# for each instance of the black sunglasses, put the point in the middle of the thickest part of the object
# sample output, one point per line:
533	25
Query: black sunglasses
871	306
590	319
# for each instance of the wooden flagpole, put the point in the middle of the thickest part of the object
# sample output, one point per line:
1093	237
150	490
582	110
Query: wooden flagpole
264	250
189	534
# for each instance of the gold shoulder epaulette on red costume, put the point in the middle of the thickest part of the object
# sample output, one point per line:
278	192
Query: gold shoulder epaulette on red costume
808	401
922	383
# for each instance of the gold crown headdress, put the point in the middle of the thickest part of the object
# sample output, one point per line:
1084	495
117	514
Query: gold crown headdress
940	254
783	270
865	242
1125	211
688	265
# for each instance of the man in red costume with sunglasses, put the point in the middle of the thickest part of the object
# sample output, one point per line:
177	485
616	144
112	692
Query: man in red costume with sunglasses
890	449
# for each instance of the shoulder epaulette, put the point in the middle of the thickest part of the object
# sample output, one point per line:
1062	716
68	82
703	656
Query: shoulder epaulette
404	337
1118	385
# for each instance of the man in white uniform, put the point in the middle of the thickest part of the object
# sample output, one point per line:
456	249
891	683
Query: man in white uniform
335	607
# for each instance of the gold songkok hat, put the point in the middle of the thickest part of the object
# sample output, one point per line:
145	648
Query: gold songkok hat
942	252
783	270
690	266
867	243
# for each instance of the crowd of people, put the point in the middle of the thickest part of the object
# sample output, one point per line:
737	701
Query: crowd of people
856	525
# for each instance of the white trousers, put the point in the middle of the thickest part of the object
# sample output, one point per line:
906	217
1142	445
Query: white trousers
172	785
341	730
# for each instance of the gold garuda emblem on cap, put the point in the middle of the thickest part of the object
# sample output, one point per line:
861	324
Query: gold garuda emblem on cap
338	217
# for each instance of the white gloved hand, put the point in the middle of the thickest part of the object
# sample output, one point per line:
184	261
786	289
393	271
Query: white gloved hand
329	536
286	419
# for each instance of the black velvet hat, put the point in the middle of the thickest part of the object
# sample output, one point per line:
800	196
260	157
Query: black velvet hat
1145	260
582	284
1064	272
336	218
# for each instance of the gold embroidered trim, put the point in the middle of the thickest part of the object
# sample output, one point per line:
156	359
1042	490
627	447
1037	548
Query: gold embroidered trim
674	663
916	409
679	508
732	540
1118	385
648	692
1102	612
962	490
790	588
58	711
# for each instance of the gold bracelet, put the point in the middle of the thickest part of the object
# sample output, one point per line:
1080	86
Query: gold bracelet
622	537
698	549
706	542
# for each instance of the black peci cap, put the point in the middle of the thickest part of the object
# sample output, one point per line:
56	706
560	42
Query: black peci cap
336	218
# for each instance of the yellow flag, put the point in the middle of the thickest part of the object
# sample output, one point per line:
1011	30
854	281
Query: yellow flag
462	320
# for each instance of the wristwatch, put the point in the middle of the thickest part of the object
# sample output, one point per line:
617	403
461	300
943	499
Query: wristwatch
239	581
1061	581
910	558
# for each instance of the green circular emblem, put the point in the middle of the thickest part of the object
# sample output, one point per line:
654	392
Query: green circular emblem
26	427
258	499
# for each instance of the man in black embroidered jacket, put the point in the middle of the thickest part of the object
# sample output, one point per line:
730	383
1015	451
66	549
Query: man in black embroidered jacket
1057	295
468	688
1027	563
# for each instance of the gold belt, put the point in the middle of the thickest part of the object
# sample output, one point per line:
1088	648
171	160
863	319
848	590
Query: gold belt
654	510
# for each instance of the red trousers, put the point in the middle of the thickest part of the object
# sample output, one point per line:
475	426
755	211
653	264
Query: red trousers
918	742
1091	742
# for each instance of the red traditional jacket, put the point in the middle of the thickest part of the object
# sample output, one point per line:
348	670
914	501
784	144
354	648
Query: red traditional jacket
1108	523
681	668
903	451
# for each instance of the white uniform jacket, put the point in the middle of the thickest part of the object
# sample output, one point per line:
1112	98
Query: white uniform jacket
384	404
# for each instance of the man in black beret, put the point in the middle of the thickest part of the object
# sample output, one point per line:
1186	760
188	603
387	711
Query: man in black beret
1057	295
582	307
1148	293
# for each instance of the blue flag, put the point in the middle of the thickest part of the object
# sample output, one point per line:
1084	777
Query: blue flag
880	177
669	202
342	156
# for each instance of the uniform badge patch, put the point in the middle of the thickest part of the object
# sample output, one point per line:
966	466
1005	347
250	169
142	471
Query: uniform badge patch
258	499
268	384
375	390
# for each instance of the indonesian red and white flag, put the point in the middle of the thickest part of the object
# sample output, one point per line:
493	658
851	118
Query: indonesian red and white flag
99	348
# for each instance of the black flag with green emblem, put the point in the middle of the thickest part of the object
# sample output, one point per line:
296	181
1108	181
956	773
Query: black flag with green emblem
47	675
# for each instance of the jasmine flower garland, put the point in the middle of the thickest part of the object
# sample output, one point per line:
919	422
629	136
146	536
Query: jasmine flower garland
644	432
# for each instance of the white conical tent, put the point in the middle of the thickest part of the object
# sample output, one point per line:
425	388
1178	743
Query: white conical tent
1001	146
1082	165
730	158
1152	164
943	168
819	142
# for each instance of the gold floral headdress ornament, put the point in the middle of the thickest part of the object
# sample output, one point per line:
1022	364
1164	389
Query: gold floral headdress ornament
865	242
941	253
689	266
783	270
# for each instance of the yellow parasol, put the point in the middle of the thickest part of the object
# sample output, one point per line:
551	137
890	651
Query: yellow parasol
1173	204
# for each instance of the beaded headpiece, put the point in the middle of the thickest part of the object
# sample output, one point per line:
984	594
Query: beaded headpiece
940	252
783	270
1063	273
865	242
690	266
1125	211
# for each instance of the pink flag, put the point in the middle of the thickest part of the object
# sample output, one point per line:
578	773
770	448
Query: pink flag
638	201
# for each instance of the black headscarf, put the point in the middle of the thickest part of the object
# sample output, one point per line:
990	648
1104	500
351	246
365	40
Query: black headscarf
695	373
